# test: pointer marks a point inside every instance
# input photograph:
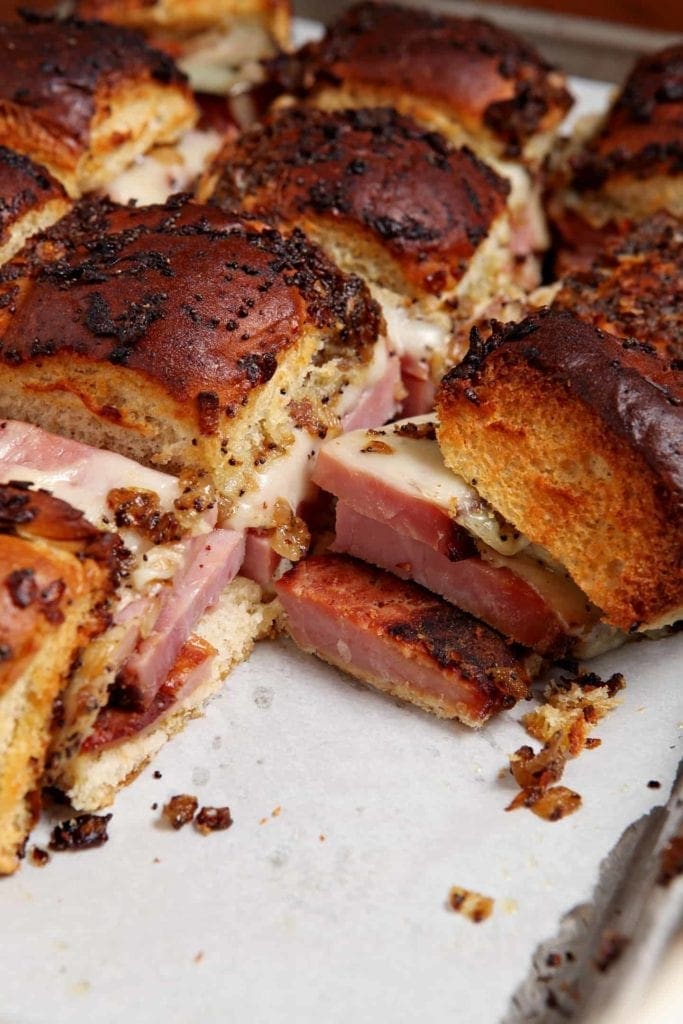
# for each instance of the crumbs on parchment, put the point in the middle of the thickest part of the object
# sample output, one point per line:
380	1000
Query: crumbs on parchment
470	904
84	832
572	708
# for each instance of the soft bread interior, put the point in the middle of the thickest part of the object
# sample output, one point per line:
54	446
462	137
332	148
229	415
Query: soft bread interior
238	620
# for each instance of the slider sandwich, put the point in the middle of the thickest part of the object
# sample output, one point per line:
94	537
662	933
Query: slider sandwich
473	82
85	99
198	342
31	200
629	167
176	618
545	500
634	286
217	43
57	573
426	225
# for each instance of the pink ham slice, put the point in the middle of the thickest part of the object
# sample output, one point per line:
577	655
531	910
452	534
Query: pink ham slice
400	638
411	514
191	668
260	561
378	404
491	593
420	395
211	562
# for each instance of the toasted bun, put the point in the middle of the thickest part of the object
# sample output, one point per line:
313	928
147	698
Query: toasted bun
469	79
91	780
576	438
30	201
186	16
634	287
399	638
397	203
634	164
84	99
56	573
176	335
628	168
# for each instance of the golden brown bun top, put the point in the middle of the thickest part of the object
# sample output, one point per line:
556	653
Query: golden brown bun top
643	131
37	581
24	186
633	392
177	15
197	300
54	71
474	67
428	204
634	287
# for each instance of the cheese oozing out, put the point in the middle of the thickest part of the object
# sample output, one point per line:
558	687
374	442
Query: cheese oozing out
164	170
411	464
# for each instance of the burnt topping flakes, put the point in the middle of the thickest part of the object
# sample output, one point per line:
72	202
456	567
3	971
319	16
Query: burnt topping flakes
23	186
374	167
36	513
140	510
53	69
572	708
467	63
84	832
180	810
213	819
632	390
203	301
634	287
643	131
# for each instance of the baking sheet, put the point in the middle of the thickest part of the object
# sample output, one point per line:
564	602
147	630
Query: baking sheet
326	901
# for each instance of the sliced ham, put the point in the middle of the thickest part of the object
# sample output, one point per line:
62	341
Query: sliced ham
401	639
491	593
420	394
191	668
379	402
210	562
402	483
76	472
260	561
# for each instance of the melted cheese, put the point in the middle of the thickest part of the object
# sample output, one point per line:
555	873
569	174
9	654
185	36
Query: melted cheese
152	178
417	467
412	330
287	476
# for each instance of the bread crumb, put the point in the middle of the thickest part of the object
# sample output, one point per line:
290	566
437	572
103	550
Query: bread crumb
213	819
470	904
571	710
180	810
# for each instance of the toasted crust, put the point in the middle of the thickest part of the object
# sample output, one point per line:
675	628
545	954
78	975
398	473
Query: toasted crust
92	779
634	287
641	138
56	574
175	334
629	168
184	16
576	438
405	194
477	672
467	78
84	98
30	201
